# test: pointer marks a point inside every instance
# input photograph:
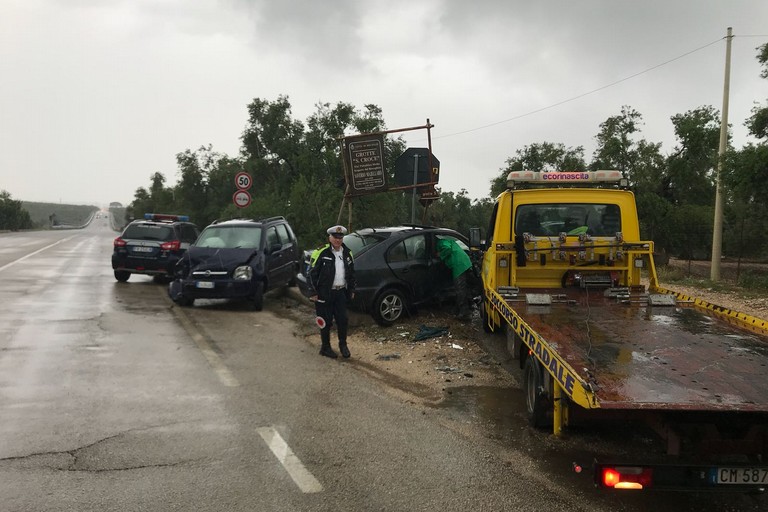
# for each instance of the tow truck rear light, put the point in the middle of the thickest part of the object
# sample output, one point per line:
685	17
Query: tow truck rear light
166	216
119	242
625	477
173	245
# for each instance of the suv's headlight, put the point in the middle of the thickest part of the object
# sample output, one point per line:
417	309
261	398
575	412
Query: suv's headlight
244	273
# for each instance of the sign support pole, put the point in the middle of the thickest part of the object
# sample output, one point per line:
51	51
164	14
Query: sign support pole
413	192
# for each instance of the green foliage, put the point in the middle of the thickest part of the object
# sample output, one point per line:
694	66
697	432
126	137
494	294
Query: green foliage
538	157
754	280
12	215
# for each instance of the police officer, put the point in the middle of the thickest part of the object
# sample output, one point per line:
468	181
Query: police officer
332	277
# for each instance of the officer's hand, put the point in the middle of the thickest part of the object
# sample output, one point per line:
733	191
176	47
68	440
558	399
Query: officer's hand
313	298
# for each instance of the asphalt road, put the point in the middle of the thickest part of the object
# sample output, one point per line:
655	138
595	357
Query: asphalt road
112	398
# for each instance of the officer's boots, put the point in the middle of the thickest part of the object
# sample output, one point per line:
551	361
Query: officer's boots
344	349
327	351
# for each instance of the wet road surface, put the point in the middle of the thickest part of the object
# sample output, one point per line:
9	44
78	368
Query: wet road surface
113	399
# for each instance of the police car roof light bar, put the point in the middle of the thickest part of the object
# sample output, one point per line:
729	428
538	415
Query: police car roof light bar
166	216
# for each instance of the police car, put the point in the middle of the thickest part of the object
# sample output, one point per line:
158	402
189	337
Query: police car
152	246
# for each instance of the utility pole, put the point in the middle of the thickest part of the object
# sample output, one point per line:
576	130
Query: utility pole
717	234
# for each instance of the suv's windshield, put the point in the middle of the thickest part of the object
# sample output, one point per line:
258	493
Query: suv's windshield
230	237
148	232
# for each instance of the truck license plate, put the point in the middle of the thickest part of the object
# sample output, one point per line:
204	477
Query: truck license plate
204	284
743	476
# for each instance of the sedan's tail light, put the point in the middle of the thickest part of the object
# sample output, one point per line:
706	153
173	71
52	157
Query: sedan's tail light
119	242
173	245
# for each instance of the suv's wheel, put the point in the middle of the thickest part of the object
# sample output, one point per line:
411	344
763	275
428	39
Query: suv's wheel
185	302
122	275
389	306
257	301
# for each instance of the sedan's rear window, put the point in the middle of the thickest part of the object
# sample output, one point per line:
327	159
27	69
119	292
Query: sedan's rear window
359	243
148	232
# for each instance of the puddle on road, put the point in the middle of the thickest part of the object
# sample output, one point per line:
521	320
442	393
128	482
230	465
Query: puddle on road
499	410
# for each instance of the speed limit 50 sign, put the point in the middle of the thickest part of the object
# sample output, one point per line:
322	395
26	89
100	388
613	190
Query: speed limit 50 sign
243	181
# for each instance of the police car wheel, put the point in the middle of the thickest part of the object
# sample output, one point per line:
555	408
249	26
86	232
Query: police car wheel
122	275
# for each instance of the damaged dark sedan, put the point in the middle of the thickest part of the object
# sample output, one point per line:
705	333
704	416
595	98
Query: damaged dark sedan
237	259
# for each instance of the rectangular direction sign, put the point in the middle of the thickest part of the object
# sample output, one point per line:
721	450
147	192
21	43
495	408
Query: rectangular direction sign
364	164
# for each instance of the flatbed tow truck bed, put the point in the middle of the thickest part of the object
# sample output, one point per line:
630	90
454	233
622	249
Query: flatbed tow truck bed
641	356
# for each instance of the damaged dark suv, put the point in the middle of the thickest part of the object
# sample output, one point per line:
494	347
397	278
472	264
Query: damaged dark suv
237	259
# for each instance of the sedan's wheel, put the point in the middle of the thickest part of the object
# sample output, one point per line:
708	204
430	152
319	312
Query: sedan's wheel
122	275
388	306
537	402
257	301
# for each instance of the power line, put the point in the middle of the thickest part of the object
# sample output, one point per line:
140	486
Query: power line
574	98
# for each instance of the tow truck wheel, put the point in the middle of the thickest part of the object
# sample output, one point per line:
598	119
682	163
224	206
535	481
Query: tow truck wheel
513	342
537	402
484	319
257	301
122	275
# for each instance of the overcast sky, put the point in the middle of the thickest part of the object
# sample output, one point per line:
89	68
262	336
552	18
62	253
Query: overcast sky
97	95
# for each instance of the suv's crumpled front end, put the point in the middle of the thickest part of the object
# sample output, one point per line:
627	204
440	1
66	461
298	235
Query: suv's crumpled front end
206	273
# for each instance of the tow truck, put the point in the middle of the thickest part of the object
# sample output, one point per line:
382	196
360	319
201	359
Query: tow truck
567	277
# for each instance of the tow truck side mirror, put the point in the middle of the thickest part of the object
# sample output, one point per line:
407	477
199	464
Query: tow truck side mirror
475	241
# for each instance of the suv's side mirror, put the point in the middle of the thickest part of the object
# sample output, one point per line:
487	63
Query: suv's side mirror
475	240
275	247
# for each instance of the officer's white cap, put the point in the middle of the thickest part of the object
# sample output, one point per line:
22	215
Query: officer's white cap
337	230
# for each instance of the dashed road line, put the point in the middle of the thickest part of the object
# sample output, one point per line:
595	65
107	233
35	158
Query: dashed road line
33	253
218	366
300	475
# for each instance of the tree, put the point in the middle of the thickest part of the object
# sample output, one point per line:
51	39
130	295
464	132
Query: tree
537	157
758	122
642	163
690	175
12	215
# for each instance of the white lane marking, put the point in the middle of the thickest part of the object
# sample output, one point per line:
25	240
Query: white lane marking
300	475
218	366
33	253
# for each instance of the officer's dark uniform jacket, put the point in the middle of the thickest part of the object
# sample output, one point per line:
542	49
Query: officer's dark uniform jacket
324	270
